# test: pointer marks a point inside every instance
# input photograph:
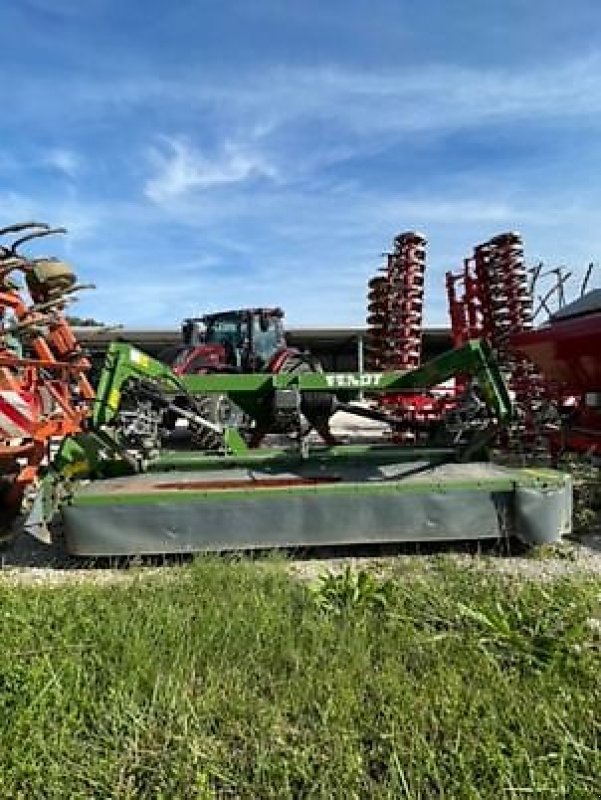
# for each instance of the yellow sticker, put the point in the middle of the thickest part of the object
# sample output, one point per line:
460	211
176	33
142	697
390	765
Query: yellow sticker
77	468
139	358
114	398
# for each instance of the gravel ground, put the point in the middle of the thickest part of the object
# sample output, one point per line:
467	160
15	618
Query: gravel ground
26	560
570	557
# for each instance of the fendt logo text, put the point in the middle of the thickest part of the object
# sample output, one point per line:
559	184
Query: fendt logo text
354	381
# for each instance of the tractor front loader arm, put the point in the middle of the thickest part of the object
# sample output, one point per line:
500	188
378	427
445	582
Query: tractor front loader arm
125	363
97	450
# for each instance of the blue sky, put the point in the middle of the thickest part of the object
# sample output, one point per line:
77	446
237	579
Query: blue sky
218	154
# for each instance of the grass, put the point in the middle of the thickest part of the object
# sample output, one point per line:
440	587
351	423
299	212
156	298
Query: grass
234	680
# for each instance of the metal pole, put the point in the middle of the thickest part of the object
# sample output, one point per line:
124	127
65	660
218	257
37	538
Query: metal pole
360	359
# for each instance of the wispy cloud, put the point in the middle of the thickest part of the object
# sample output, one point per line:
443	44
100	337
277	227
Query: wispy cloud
59	160
189	182
64	161
179	167
347	114
433	96
311	254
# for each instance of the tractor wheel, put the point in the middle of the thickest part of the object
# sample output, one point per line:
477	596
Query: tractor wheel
316	406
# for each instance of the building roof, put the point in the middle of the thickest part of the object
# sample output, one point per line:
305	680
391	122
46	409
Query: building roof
588	304
323	336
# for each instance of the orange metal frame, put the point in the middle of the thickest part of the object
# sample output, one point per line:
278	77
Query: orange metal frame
55	377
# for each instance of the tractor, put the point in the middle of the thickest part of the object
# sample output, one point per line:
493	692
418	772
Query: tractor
248	341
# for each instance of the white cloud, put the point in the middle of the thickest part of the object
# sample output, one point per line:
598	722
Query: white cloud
180	168
281	228
435	97
310	118
366	104
62	160
66	161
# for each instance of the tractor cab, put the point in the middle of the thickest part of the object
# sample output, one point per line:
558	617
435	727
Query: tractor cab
245	340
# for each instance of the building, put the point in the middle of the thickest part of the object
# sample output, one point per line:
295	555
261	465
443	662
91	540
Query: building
338	349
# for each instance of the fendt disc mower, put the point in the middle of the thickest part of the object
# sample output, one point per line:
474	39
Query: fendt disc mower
140	498
103	462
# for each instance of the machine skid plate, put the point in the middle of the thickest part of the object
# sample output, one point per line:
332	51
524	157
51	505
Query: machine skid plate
272	504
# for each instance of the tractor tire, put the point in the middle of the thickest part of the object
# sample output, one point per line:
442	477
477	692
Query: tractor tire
317	407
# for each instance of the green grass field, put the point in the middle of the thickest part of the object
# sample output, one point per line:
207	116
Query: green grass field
232	679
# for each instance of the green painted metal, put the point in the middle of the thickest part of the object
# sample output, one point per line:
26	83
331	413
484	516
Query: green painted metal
541	479
124	362
198	496
319	455
475	357
253	392
233	442
231	383
273	505
92	454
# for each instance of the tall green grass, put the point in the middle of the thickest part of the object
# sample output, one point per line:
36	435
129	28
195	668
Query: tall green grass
234	680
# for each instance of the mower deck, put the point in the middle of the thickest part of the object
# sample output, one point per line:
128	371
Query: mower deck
342	496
